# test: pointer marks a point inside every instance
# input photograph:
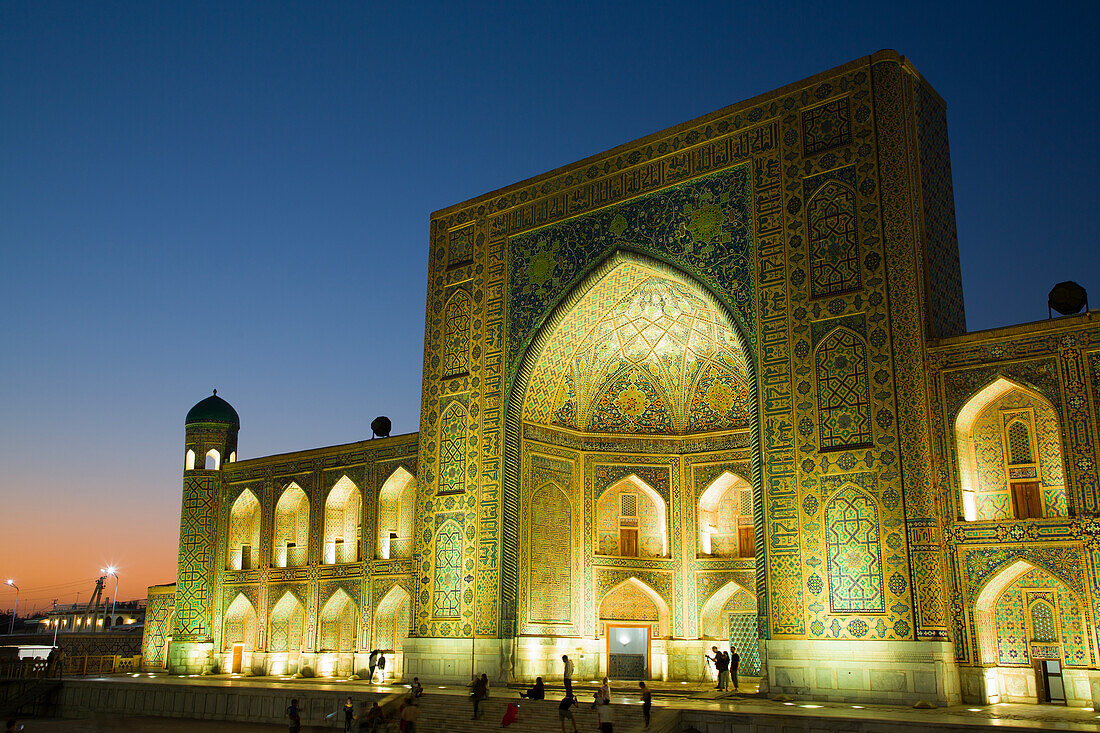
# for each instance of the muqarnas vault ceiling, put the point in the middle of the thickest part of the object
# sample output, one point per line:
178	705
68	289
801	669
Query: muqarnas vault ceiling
645	353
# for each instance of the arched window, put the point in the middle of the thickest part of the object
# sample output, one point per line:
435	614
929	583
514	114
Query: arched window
452	450
456	338
834	240
244	533
396	503
291	528
213	460
550	582
843	398
853	553
1018	438
189	462
342	530
1009	445
448	570
339	619
1043	625
631	520
725	518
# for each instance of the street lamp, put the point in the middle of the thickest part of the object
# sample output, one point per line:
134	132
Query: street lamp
14	608
113	572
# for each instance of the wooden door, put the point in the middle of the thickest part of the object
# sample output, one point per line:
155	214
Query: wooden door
628	542
1026	503
238	657
746	540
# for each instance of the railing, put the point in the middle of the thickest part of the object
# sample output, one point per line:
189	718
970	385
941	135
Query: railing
105	664
290	557
340	552
239	559
396	547
21	669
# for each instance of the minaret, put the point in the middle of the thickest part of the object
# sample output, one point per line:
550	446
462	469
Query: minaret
211	441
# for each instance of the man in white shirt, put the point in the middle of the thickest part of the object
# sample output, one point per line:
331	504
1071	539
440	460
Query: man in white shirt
568	674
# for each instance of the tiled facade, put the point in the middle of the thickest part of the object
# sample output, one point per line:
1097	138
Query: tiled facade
768	297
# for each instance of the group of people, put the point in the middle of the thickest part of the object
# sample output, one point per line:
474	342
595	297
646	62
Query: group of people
377	661
370	720
726	664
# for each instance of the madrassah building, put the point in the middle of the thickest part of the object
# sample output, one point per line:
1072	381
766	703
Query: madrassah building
712	387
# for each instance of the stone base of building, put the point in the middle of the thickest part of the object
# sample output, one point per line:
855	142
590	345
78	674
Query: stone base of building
456	660
992	685
190	657
888	672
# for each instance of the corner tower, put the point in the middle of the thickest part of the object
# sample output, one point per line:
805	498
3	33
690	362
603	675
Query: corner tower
211	429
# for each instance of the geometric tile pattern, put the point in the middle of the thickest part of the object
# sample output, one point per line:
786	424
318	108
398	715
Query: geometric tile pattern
550	585
854	553
641	353
1037	607
448	569
456	351
843	399
193	576
743	638
826	126
834	244
452	453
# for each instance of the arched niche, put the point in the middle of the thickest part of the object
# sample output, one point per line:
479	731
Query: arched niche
287	627
550	559
291	528
244	533
213	460
392	620
633	601
189	460
714	614
1008	442
241	624
339	623
396	510
631	520
1004	624
342	530
725	518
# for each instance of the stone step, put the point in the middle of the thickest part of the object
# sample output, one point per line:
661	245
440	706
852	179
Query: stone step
452	714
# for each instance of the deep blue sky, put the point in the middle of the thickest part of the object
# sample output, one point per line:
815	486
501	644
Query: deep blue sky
236	195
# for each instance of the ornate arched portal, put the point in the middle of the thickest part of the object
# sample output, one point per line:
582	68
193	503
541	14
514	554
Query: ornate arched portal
636	368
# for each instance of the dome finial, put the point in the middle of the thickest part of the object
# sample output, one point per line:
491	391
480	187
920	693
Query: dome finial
215	392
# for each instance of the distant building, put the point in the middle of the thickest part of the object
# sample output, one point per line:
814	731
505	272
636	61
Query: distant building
74	618
710	387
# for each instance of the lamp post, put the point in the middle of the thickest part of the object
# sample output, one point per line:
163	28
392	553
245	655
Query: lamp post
113	572
14	608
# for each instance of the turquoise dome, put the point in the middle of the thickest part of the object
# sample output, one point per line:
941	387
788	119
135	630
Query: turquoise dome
213	409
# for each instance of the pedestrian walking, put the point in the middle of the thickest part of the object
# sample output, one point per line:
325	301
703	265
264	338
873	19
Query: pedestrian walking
409	715
606	715
349	714
372	664
295	716
568	674
565	712
647	702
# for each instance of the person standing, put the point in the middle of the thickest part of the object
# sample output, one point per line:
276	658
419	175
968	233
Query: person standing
606	715
735	661
481	691
647	702
381	666
295	716
568	675
372	664
349	714
722	662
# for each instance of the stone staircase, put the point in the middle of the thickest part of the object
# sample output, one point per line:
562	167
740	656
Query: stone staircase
452	713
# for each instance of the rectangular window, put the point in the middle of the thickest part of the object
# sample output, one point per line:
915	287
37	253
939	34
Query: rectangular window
628	505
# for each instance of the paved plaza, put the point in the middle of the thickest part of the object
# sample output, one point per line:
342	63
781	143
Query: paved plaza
827	716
